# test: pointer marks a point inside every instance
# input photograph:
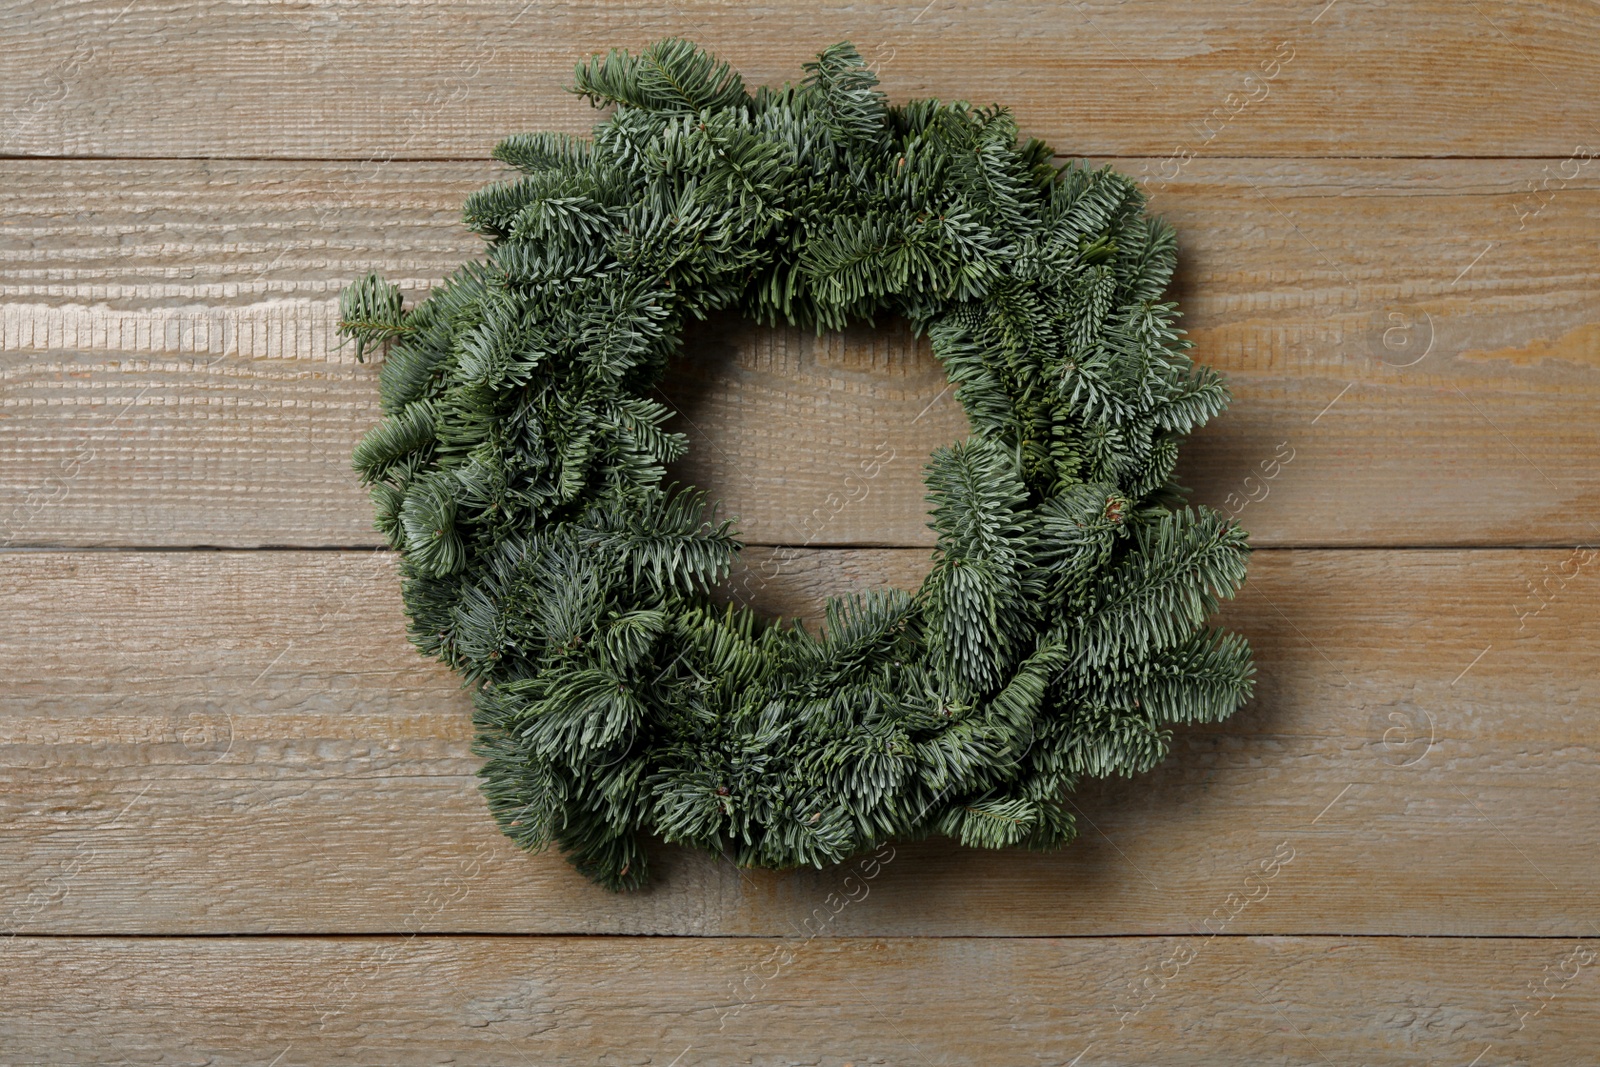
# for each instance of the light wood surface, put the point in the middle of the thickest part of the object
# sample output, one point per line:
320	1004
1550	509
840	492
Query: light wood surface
712	1001
389	80
229	723
238	817
175	381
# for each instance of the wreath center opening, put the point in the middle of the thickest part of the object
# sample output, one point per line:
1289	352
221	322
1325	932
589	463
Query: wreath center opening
814	443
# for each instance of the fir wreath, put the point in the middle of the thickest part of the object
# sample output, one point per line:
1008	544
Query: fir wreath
519	471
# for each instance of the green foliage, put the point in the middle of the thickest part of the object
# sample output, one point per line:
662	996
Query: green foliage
670	75
370	313
520	465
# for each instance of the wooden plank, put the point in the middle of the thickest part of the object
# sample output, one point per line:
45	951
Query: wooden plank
1375	401
1139	77
170	380
1417	339
244	743
1188	1001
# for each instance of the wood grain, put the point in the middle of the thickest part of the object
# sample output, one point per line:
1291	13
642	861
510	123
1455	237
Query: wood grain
1139	77
472	1000
244	743
1421	337
1387	214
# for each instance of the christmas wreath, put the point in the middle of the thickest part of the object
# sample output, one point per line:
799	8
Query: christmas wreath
519	471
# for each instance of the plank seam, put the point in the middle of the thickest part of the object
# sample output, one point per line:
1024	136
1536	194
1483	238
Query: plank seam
13	157
502	935
841	546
